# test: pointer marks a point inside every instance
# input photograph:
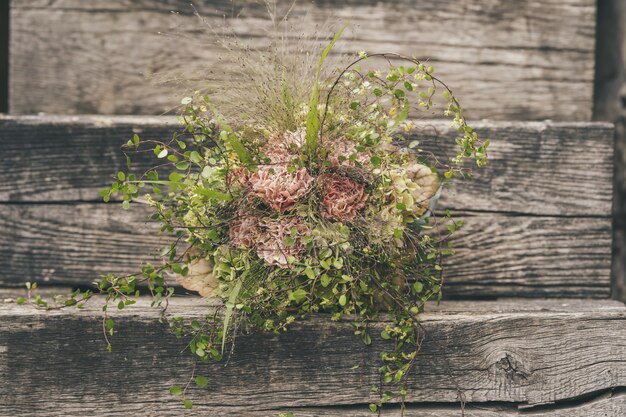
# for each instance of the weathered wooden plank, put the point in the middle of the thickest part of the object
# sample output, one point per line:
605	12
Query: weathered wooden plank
536	167
497	254
608	406
507	60
509	352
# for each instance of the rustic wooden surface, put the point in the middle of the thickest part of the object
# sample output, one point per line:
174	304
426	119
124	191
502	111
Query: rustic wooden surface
524	214
608	405
568	356
506	59
497	254
540	168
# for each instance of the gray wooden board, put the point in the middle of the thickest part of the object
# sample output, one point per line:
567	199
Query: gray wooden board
497	254
510	352
505	59
610	405
540	168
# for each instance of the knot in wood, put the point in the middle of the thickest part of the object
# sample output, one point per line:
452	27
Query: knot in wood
511	368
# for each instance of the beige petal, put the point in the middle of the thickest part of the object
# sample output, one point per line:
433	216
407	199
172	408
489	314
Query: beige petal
428	183
200	277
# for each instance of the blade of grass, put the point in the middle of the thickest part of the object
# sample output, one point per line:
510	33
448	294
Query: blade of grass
313	117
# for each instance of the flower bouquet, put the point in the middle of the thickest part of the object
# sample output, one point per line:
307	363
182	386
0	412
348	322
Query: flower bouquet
316	197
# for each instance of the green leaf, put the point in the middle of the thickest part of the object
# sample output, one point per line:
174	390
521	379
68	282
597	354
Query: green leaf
175	177
195	157
202	381
299	295
206	172
313	117
188	404
325	280
373	407
309	273
343	300
176	390
182	165
121	176
20	300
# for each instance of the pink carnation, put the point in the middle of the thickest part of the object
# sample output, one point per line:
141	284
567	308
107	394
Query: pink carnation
273	248
281	148
278	187
342	198
244	230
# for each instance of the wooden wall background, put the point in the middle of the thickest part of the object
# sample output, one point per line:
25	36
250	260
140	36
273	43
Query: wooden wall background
508	60
539	220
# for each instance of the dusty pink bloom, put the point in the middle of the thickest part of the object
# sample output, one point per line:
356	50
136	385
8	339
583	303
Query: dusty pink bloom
340	151
281	148
278	187
244	230
274	248
342	198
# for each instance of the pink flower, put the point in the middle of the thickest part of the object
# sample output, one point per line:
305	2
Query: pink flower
282	239
244	230
280	188
281	148
342	197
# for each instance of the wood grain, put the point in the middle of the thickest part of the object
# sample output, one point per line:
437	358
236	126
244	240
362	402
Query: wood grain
611	405
505	59
507	352
497	254
539	168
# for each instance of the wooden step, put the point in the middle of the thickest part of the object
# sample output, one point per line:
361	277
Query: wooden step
537	219
556	357
506	59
